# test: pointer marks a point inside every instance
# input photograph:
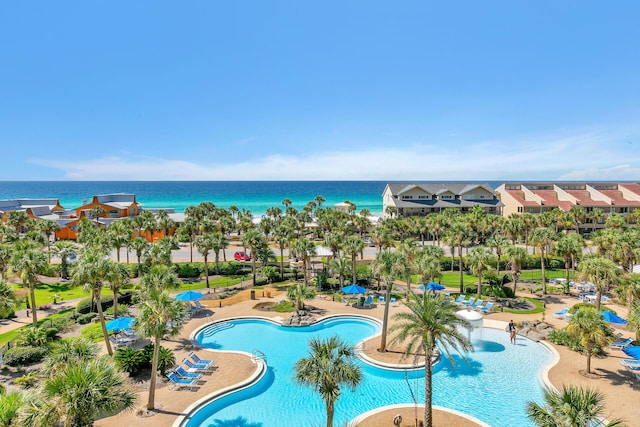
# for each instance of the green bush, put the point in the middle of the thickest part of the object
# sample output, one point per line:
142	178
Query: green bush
24	355
166	358
498	291
86	305
92	332
188	270
284	307
51	332
122	308
86	318
33	337
562	337
130	360
231	268
63	323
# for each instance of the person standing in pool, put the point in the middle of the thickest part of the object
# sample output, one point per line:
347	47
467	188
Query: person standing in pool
512	336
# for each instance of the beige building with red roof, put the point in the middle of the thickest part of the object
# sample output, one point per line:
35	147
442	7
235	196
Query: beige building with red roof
536	198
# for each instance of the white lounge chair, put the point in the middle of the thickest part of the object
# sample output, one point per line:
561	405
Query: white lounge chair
562	313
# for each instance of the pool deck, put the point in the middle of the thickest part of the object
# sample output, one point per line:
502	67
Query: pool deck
621	389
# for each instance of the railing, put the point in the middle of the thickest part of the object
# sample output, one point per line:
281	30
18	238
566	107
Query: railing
258	355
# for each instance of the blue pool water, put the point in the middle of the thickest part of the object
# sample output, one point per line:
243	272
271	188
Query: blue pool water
494	386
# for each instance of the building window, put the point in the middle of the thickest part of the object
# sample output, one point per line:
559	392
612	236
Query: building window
407	197
520	209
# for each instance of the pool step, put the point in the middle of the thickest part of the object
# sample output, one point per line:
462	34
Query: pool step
215	328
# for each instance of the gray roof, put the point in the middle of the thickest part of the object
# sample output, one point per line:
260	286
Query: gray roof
22	204
440	188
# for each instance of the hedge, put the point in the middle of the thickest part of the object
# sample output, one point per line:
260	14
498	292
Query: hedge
24	355
86	305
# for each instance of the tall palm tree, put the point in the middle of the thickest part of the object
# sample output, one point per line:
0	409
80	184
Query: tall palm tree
159	314
116	276
353	245
588	325
79	392
428	268
119	234
570	248
499	243
341	267
542	238
517	256
68	352
253	239
596	215
305	249
430	321
298	293
205	243
47	227
220	243
460	234
478	260
389	265
64	249
601	272
91	271
7	299
331	364
572	406
28	261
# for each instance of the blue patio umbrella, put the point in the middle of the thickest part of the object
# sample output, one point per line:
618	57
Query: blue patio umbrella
120	323
353	289
612	317
189	296
633	351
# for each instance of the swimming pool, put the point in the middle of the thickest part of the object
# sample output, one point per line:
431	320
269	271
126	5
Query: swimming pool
494	386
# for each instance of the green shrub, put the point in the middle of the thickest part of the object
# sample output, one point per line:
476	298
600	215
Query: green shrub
230	268
130	360
562	337
92	332
86	318
188	270
166	358
122	308
51	332
24	355
33	337
28	380
498	291
63	323
86	305
580	305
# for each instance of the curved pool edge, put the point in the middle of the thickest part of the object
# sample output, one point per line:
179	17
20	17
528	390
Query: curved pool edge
261	369
360	418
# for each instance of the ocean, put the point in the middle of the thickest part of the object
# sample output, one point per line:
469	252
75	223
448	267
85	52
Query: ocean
255	196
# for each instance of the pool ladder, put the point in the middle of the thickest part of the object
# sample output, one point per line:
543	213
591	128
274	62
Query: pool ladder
258	355
216	327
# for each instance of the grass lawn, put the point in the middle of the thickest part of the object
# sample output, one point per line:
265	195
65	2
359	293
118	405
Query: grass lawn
539	307
548	274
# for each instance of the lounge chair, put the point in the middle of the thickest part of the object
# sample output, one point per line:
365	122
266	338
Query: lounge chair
185	374
392	300
369	301
180	383
196	359
477	303
621	344
197	366
460	298
469	301
562	313
487	307
630	363
381	299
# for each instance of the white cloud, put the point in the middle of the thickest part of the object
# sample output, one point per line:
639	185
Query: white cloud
584	157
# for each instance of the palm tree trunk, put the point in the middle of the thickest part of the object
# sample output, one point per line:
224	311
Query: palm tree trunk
191	251
385	319
428	391
105	334
588	359
253	265
460	268
32	294
206	270
154	374
281	263
329	413
544	281
115	303
118	254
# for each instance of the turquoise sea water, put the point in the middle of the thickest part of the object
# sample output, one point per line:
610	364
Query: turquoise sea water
256	196
494	386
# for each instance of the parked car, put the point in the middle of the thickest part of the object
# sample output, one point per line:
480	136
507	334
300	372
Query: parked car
241	256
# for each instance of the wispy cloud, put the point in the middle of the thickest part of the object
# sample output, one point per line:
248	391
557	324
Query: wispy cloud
583	157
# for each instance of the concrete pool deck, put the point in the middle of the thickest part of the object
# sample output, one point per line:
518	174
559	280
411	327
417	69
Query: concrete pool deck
621	389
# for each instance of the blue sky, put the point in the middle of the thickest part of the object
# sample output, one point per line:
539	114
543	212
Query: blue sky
315	90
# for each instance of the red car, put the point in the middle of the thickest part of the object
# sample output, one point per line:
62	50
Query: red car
241	256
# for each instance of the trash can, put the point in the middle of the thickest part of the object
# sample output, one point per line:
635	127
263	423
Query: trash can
253	294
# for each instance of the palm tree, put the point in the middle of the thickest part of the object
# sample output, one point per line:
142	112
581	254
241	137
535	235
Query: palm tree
139	245
596	215
91	271
64	249
634	319
601	272
428	268
47	227
460	234
389	265
353	245
159	315
542	238
330	365
7	299
116	277
253	239
298	293
78	393
430	321
588	325
96	212
305	249
517	256
205	244
28	261
478	260
119	235
570	247
70	351
499	243
341	267
573	406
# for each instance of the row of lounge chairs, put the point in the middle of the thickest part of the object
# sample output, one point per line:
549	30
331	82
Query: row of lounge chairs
474	304
189	377
632	365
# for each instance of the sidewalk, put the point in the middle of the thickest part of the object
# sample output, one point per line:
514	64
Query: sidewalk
21	319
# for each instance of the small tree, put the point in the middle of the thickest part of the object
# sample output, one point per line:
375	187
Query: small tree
588	325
